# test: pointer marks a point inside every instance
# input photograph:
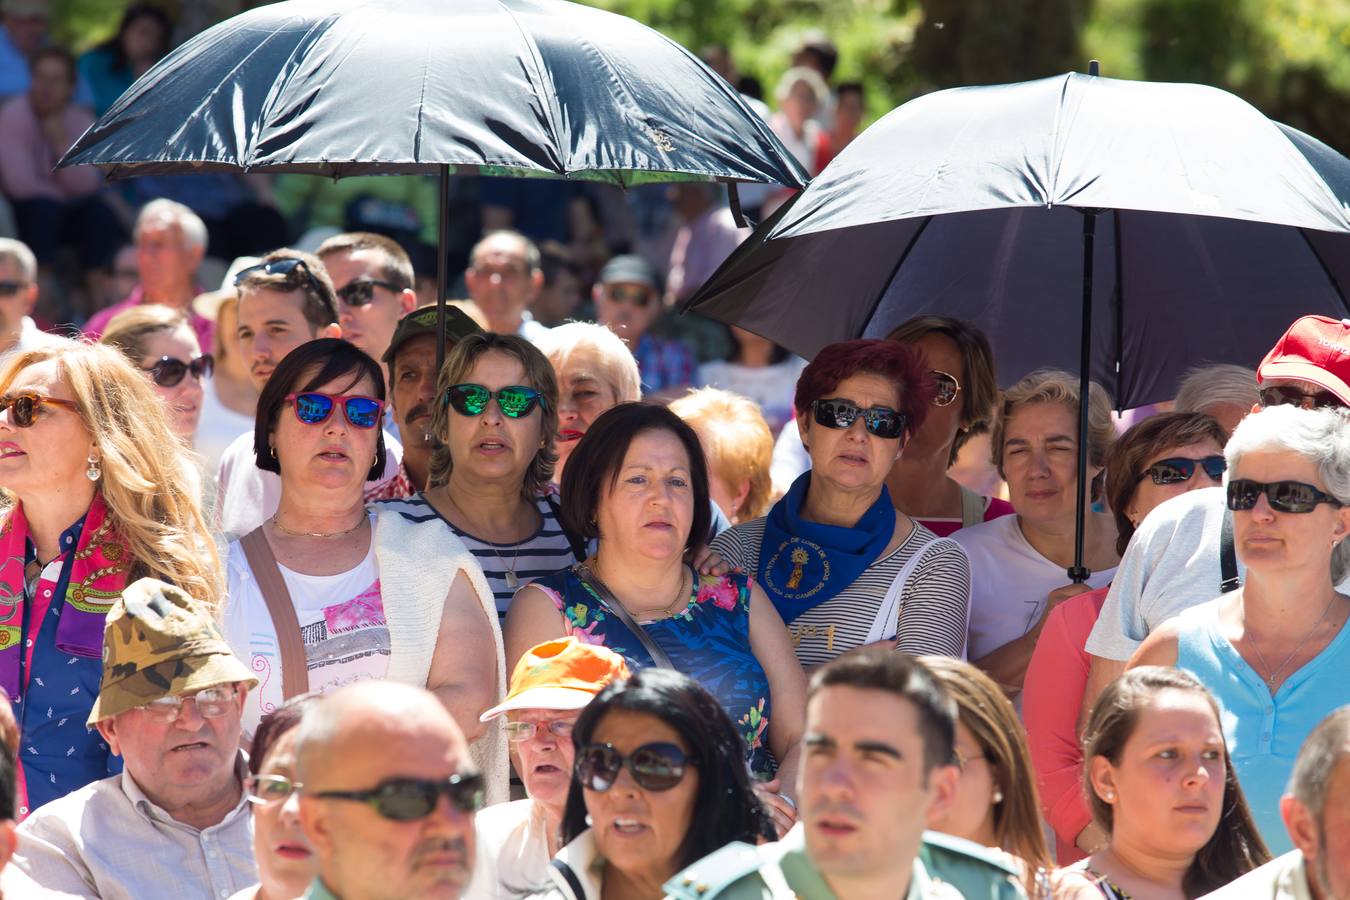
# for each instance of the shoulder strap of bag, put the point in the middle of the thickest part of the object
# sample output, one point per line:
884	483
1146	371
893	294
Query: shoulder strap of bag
294	664
573	541
573	882
886	623
972	507
1228	570
615	608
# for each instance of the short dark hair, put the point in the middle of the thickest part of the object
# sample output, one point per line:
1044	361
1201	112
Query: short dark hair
726	807
61	55
897	363
397	267
320	306
849	87
594	467
329	359
882	669
273	726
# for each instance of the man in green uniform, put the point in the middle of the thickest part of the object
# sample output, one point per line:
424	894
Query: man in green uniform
878	760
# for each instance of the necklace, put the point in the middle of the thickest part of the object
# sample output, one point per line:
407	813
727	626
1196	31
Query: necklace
663	612
512	580
317	534
1261	657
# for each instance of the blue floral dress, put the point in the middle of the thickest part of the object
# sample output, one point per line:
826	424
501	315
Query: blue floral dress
709	641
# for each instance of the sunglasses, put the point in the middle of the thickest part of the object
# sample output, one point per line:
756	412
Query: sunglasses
313	408
410	799
169	371
1291	396
516	732
515	401
283	267
266	789
1284	496
1176	469
211	703
638	296
10	288
878	420
360	293
655	767
947	388
23	408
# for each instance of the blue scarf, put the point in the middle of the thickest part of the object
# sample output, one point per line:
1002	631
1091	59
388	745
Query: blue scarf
802	564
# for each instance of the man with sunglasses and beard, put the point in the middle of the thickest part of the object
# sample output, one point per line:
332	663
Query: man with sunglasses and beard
628	302
286	300
386	824
373	280
1182	553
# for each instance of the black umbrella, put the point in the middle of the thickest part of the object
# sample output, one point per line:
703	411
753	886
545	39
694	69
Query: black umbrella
1126	229
541	88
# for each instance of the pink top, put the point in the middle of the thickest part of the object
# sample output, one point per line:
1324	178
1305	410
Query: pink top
1051	699
98	322
27	158
993	509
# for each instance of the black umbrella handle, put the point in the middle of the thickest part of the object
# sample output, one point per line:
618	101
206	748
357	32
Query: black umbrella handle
1078	573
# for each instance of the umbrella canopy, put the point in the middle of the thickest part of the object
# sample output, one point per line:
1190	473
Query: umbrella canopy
496	87
1214	229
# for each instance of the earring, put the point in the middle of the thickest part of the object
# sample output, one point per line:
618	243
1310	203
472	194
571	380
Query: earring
95	471
1109	796
998	796
273	452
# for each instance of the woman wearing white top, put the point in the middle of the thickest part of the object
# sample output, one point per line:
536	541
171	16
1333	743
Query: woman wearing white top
1019	564
319	428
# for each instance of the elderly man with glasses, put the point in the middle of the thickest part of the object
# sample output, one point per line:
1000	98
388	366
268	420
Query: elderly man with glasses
175	822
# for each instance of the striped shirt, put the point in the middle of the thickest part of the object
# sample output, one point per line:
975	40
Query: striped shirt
934	607
542	553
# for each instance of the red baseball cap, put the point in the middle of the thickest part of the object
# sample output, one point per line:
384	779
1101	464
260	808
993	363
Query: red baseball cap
1314	349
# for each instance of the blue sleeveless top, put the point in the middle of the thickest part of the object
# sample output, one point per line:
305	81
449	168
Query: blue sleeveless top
1263	733
709	641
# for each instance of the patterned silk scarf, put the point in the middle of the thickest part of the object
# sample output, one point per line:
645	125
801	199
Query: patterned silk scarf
97	576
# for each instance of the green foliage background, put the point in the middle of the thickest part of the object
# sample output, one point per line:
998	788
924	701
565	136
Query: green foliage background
1290	58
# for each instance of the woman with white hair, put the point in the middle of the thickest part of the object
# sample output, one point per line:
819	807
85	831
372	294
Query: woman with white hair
1276	651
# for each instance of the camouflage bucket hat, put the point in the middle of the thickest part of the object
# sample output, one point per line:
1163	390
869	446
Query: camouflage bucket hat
158	642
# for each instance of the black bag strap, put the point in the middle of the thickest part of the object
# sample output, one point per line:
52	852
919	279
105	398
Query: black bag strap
573	882
615	608
1228	570
573	540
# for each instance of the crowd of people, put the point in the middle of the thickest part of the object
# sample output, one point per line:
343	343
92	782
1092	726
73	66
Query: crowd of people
652	619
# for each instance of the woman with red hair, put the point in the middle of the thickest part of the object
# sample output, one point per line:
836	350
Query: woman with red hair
843	567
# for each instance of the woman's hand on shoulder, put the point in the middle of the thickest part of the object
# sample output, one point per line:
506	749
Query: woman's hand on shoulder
709	562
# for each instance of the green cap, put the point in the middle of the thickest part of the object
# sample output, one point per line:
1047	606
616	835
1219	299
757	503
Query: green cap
422	321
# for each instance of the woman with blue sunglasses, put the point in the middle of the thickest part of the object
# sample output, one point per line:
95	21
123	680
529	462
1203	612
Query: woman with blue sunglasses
1276	650
320	594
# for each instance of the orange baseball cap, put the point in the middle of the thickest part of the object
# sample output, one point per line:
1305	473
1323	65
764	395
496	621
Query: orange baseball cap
560	674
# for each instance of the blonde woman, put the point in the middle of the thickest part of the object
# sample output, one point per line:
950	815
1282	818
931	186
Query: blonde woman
100	494
739	447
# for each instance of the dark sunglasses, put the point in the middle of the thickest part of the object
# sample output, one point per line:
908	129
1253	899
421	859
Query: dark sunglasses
1291	396
283	267
878	420
23	408
360	293
655	767
515	401
947	388
638	296
169	371
313	408
410	799
1176	469
10	288
1284	496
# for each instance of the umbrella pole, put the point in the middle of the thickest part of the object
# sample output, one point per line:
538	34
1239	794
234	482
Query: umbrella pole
442	255
1078	573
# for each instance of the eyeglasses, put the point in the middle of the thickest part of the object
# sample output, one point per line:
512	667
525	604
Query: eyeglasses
878	420
360	293
169	371
516	732
313	408
1278	395
515	401
1284	496
410	799
211	703
655	767
638	296
961	759
24	407
10	288
1176	469
947	388
283	267
267	789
